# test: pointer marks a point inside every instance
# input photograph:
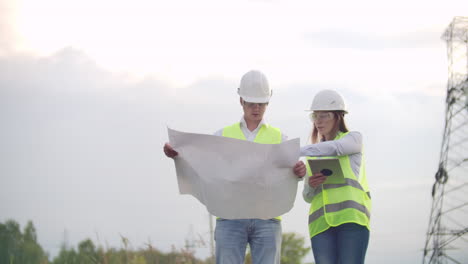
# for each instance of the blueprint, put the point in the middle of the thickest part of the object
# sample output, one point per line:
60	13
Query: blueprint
236	179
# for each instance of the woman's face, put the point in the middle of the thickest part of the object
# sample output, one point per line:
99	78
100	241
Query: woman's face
324	121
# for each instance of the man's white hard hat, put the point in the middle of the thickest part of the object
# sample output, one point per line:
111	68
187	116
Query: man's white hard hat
254	87
328	100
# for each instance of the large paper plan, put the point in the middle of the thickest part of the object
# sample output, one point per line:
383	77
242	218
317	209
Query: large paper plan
236	179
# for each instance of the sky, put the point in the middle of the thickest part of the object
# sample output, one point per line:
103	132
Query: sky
88	89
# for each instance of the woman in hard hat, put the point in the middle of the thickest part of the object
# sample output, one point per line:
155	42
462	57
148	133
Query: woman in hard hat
339	213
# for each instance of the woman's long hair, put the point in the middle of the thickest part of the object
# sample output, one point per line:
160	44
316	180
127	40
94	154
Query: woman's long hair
340	125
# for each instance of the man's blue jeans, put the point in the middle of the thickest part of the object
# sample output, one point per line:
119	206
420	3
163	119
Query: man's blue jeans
232	237
346	243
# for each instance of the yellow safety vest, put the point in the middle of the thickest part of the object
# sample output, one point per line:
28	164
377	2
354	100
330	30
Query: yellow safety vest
336	204
266	135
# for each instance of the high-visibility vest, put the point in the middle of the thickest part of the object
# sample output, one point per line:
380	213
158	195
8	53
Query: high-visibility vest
336	204
266	135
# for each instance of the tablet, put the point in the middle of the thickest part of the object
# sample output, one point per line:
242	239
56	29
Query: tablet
329	167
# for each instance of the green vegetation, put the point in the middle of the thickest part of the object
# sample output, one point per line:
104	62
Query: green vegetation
21	247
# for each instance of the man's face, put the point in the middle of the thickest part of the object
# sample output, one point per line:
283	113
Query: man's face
253	111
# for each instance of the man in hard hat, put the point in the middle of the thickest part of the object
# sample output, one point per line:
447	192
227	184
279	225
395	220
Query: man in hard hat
263	236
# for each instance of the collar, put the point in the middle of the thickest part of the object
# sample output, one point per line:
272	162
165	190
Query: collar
243	123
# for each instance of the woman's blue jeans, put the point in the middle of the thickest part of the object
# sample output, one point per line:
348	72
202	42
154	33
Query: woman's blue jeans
232	237
346	243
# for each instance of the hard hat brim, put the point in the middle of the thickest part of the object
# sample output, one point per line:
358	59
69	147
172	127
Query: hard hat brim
309	110
256	99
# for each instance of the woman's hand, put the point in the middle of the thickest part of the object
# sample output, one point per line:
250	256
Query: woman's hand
299	169
169	151
316	179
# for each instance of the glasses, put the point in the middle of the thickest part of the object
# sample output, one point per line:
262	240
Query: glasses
253	105
321	116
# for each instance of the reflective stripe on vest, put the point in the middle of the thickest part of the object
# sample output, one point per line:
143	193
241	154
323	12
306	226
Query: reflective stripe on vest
331	208
266	135
336	204
348	182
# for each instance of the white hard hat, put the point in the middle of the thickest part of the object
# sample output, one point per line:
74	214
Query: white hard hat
328	100
254	87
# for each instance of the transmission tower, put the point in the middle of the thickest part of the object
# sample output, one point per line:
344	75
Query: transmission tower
447	234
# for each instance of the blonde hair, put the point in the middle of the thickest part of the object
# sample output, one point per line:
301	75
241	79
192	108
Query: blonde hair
340	125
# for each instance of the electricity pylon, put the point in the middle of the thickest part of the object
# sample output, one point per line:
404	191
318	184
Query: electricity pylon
447	234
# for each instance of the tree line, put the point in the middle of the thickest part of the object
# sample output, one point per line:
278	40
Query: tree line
21	247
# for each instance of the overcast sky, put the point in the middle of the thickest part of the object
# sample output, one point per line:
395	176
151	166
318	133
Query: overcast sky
88	88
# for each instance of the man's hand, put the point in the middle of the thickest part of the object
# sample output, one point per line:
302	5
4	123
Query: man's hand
169	151
299	169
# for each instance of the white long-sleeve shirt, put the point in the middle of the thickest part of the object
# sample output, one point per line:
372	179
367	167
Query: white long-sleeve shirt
350	145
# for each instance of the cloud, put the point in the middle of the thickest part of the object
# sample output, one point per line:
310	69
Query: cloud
336	38
7	36
79	141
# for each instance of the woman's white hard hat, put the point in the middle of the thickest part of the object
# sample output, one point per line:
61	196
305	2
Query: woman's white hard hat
254	87
328	100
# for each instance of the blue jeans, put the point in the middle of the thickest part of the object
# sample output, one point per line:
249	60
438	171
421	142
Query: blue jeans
346	243
232	237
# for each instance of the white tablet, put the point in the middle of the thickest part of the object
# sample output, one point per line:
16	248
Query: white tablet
329	167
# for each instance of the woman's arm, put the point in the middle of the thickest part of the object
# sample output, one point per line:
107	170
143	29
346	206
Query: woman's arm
347	145
308	191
